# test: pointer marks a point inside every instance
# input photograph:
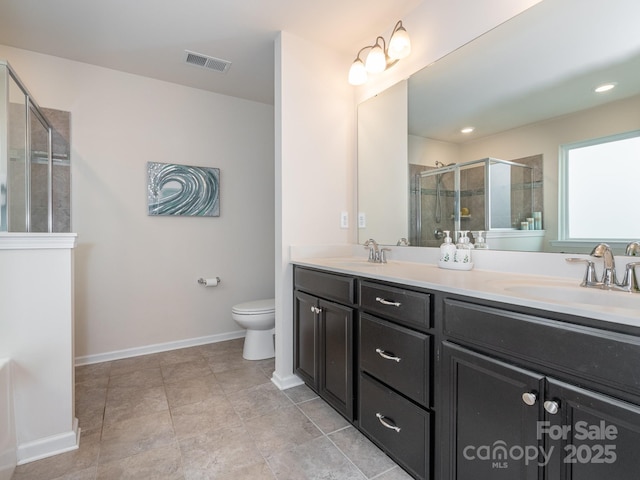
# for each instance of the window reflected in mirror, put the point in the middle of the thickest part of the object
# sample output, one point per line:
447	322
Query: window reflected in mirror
600	189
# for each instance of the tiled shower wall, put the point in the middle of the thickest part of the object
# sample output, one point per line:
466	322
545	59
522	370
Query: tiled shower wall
61	171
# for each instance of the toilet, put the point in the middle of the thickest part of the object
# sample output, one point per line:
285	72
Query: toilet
259	318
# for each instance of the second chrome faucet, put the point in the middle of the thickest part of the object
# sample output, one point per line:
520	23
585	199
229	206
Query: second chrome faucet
608	280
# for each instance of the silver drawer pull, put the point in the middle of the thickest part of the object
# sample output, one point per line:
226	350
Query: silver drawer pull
386	423
385	355
387	302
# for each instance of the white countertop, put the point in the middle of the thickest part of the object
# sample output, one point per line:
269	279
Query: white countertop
552	293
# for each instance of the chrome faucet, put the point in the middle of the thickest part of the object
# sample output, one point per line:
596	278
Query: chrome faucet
633	249
603	250
608	282
376	254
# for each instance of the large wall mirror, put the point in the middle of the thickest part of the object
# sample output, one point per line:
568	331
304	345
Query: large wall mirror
527	89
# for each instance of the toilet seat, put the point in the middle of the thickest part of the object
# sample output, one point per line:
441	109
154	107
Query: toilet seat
256	307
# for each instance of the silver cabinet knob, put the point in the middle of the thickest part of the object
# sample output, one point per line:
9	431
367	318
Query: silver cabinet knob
315	309
551	407
529	398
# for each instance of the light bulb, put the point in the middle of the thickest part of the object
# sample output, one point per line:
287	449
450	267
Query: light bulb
400	44
357	73
376	60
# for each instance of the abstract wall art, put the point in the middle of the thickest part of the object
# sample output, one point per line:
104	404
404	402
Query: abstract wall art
183	190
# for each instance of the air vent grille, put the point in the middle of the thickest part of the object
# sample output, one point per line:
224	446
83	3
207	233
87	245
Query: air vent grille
204	61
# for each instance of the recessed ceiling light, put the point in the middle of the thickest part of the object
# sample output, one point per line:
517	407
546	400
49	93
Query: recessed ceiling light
605	87
467	130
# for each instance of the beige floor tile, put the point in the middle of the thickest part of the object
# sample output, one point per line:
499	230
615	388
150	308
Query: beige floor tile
192	390
317	458
396	473
146	378
225	361
324	416
225	451
136	435
64	464
162	463
86	474
142	362
300	394
126	402
207	415
365	455
239	379
168	416
86	373
91	398
179	356
258	400
259	471
175	372
281	430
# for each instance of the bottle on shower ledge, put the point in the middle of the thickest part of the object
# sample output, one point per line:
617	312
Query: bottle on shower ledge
481	243
447	249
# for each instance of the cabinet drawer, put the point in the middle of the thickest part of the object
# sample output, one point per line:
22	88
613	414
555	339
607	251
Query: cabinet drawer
404	306
406	435
396	356
327	285
608	358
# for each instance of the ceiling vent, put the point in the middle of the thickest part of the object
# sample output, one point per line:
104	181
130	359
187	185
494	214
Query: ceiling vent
204	61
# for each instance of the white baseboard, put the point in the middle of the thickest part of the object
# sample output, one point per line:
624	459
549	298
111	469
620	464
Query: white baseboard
158	347
49	446
286	382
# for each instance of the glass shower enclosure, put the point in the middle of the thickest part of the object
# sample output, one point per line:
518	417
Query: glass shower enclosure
481	195
27	166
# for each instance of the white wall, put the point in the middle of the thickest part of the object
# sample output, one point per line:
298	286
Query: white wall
315	168
136	275
383	172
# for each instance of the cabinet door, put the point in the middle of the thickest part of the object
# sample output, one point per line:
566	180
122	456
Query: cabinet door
336	356
487	421
591	436
306	342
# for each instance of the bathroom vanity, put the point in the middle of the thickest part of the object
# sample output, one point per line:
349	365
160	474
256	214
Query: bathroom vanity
470	375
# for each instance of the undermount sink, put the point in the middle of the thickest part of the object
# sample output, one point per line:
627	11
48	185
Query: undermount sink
351	262
577	295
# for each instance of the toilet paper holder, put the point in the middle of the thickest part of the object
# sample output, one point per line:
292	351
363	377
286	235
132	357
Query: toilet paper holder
209	282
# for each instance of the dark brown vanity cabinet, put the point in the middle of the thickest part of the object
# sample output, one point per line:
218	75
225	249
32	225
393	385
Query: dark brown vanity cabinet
526	397
324	335
395	364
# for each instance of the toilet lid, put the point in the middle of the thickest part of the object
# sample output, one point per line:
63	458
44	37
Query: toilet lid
255	307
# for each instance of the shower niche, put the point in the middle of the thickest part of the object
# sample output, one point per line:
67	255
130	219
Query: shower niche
35	177
490	195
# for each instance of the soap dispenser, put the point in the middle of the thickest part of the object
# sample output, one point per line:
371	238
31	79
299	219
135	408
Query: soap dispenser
447	249
463	249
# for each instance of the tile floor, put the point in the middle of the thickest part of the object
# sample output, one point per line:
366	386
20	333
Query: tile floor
206	413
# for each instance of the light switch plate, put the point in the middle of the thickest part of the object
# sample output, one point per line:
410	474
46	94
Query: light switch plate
362	220
344	220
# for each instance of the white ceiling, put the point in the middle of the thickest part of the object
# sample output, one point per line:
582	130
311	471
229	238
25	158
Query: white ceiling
148	37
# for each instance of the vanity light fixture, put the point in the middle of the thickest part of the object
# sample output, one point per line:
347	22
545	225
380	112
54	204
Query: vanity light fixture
467	130
380	57
605	87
